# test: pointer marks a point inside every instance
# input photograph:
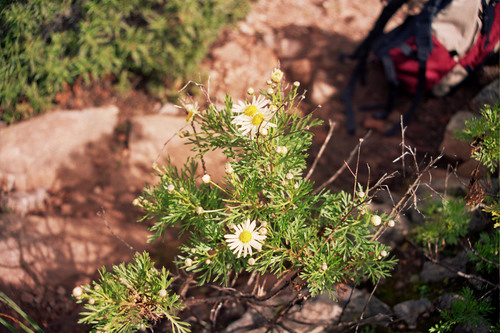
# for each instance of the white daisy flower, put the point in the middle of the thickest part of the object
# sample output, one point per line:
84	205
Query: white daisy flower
245	238
192	110
253	117
249	109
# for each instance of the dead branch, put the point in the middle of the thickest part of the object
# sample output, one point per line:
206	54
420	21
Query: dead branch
322	149
341	169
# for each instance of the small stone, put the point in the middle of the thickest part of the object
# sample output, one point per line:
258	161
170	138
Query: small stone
410	310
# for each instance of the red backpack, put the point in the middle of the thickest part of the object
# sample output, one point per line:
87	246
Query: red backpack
434	50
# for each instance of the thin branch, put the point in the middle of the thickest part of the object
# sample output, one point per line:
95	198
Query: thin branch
345	306
339	171
322	149
167	142
357	168
456	271
366	303
480	256
403	129
102	215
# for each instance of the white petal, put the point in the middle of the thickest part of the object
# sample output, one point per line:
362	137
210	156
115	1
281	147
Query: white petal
251	227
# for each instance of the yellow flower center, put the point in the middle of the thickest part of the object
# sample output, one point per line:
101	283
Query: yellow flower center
245	236
257	119
250	110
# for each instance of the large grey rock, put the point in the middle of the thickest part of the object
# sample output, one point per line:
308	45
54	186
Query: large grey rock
36	152
445	302
488	95
410	310
316	315
155	138
434	273
452	147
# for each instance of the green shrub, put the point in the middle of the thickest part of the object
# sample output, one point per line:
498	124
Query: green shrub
466	310
263	217
446	222
44	44
484	135
473	309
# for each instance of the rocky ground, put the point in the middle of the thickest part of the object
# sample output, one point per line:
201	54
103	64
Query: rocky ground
69	177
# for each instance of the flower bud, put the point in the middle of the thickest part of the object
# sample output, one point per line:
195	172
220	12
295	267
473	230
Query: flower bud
383	253
229	169
277	75
391	224
170	188
206	178
289	176
263	231
251	261
324	266
162	293
207	261
199	210
91	301
250	91
77	292
188	262
296	84
376	220
270	91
